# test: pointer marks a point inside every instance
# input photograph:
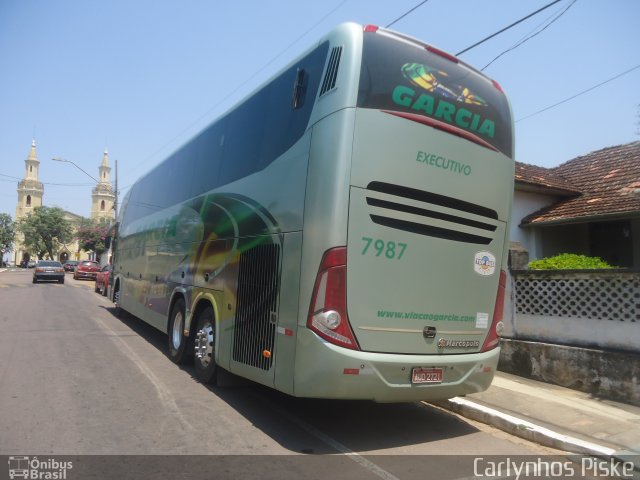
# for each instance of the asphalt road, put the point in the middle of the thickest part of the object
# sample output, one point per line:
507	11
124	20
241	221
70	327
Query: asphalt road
76	380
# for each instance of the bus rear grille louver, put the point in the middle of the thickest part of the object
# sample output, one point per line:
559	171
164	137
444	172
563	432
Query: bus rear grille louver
454	222
258	279
331	74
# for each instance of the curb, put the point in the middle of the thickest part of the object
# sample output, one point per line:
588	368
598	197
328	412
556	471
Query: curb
535	433
524	428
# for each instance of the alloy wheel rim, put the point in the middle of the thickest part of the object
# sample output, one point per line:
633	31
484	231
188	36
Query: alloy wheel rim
176	335
204	345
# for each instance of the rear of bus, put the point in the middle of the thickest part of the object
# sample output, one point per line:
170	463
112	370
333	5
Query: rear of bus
408	307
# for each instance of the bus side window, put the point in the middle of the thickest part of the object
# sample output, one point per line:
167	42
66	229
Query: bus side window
206	167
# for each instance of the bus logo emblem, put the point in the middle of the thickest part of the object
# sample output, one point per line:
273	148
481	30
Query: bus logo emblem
484	263
435	81
429	332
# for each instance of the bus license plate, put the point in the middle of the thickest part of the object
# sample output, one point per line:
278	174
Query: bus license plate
426	375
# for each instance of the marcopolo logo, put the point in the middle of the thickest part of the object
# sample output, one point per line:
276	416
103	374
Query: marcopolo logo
447	343
34	468
484	263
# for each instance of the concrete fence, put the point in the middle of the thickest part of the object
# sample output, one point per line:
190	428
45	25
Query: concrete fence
594	308
579	329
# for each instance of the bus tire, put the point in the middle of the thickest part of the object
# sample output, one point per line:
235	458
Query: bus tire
206	369
177	340
117	310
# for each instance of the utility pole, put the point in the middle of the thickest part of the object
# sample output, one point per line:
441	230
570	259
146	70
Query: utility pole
115	205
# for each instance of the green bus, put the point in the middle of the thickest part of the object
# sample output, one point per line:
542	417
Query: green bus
340	233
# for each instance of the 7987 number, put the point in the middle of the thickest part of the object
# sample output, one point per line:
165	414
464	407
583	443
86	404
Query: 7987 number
379	248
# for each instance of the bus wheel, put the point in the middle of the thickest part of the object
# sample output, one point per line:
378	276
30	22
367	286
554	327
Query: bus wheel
117	311
177	340
204	347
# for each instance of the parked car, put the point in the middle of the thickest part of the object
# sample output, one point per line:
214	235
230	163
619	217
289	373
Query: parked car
70	265
86	269
48	270
102	280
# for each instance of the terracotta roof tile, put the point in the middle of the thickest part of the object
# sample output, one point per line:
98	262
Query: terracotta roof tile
543	177
609	180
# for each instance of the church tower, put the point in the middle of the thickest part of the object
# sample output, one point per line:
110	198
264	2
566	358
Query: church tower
30	193
103	196
30	189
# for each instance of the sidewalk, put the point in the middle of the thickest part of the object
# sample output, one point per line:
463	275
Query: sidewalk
555	417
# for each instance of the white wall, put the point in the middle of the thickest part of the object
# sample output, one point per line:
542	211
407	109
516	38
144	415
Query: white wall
525	203
605	334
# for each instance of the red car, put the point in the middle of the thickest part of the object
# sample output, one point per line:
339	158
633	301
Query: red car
102	280
86	269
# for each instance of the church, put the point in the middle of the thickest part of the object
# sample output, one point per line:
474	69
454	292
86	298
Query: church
31	195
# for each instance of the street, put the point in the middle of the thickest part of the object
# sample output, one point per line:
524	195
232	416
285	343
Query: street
76	380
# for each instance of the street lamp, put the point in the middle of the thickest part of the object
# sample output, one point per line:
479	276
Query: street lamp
57	159
115	206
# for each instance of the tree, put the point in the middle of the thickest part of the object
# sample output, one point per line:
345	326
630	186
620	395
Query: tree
44	230
91	238
7	233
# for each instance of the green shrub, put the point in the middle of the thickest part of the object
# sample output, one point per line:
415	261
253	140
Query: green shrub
569	261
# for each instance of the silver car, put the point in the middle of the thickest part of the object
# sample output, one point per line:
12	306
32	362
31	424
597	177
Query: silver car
48	270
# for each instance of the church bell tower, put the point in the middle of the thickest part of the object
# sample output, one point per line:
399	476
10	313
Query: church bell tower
103	196
30	193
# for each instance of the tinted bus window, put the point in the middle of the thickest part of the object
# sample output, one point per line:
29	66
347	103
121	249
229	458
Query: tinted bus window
206	168
408	78
268	119
243	142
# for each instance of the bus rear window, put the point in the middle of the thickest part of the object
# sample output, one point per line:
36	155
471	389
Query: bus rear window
403	77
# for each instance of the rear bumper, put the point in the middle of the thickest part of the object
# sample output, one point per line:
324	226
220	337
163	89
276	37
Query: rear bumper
324	370
91	275
49	276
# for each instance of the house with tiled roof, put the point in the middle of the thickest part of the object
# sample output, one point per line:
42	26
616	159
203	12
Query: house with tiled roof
589	205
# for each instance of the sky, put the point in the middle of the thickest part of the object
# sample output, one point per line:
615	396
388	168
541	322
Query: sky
142	77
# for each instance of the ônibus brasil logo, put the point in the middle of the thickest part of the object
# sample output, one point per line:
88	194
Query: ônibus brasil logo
34	468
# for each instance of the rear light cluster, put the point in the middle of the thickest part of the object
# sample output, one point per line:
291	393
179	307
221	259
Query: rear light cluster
328	308
493	337
442	54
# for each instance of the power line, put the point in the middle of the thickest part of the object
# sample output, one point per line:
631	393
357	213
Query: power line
10	178
532	35
407	13
69	184
507	28
581	93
